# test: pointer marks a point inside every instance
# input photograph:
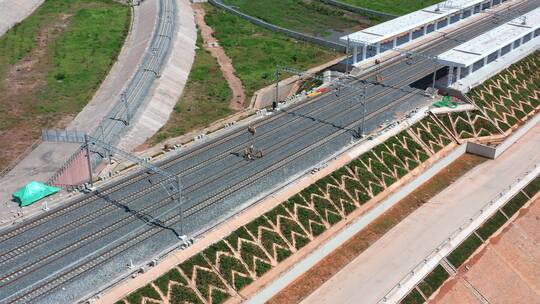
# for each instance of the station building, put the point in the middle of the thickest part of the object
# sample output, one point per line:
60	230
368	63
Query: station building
493	50
376	40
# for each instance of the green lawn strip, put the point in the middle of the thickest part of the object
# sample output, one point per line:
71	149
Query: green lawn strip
366	177
79	59
251	253
183	294
464	128
491	225
288	227
395	7
205	98
533	187
146	291
515	99
414	297
464	250
265	49
482	125
204	277
309	219
426	135
226	264
310	17
269	238
72	44
514	204
433	281
173	275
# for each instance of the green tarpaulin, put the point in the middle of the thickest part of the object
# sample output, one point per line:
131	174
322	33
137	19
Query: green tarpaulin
445	102
33	192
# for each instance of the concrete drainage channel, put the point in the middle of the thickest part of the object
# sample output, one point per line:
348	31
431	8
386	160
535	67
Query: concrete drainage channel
112	127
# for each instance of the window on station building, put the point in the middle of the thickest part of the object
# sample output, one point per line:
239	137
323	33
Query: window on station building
505	50
454	18
464	72
496	2
477	9
467	13
442	23
486	5
527	37
477	65
430	28
387	45
491	57
402	39
418	33
517	43
537	32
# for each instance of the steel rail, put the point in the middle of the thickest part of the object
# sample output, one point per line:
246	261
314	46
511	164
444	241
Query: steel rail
102	258
445	37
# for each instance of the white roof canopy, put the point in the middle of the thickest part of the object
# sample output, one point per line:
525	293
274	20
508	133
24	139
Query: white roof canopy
480	47
409	22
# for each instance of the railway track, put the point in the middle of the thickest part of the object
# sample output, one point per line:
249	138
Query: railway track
311	128
134	196
173	220
216	197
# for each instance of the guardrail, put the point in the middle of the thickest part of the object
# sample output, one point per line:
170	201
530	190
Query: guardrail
279	29
357	9
112	127
401	289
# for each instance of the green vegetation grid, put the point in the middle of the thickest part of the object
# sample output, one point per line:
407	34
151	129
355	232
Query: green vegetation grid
255	52
205	98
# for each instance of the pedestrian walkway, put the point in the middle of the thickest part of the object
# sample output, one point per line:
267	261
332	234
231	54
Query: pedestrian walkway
377	270
14	11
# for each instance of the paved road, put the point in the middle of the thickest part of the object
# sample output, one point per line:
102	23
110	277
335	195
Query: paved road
82	246
372	274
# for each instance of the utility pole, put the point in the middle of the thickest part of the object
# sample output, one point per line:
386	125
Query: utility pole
124	101
347	55
276	99
88	158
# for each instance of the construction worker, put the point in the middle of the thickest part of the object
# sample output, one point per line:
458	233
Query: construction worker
252	130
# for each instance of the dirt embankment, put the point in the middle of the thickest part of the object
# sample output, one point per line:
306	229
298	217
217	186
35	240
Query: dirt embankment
211	45
20	93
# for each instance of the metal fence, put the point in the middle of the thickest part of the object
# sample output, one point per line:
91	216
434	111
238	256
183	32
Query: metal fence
65	136
456	237
358	10
114	125
279	29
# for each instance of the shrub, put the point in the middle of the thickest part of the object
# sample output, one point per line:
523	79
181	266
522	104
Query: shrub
464	250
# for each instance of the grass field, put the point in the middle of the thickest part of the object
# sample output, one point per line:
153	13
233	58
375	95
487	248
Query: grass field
205	98
52	63
395	7
312	17
255	52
